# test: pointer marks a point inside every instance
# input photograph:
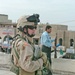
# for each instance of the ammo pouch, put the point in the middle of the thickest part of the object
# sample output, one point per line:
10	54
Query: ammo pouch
44	71
46	68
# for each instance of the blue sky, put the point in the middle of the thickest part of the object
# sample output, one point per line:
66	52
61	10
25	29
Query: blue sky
51	11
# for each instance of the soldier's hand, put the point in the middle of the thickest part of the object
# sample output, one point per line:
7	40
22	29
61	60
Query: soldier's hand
44	57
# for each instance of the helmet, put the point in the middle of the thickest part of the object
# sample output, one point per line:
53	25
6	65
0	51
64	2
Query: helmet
25	21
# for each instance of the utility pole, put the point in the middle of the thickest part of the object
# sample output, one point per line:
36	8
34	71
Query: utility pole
55	55
8	43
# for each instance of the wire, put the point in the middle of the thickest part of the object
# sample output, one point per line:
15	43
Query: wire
67	21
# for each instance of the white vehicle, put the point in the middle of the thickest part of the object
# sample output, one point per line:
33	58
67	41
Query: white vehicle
6	46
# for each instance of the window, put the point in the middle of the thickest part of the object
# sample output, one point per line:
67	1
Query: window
60	41
71	42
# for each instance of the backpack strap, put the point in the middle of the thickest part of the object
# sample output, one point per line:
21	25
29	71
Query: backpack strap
14	48
17	55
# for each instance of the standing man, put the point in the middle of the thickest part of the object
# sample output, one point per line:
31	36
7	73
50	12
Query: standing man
46	42
25	49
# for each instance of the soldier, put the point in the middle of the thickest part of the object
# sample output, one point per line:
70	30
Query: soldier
24	47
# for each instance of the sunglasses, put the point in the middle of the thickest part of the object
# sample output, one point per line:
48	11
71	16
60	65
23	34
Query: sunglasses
32	27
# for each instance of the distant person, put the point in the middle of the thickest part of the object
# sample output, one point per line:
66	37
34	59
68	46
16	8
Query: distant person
46	42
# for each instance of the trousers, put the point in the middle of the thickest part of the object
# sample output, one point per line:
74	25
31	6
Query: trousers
47	50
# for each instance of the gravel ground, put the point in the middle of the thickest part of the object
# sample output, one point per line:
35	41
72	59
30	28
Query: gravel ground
5	64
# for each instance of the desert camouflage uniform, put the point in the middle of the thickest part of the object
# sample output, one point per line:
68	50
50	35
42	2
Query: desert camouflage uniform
25	51
23	46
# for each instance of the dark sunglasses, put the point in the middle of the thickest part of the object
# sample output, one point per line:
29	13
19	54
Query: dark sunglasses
32	27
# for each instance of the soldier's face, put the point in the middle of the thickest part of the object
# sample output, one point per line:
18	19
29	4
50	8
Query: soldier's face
31	31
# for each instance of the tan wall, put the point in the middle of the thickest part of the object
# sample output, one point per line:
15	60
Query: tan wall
4	30
6	25
4	18
62	32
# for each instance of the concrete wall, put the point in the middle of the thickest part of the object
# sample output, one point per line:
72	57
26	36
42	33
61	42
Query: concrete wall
6	26
4	18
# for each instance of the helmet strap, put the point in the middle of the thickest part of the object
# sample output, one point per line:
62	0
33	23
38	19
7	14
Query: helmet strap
26	32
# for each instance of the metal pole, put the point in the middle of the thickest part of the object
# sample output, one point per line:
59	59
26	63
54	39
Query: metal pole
8	43
55	55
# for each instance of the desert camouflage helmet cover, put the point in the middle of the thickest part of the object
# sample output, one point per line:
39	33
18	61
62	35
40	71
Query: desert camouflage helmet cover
28	20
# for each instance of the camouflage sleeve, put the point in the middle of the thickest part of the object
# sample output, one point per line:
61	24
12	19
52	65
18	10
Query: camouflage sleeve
26	62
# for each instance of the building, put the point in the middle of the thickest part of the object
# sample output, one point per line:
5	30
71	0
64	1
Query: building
7	28
64	36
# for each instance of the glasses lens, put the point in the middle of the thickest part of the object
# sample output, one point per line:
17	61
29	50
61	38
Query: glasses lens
32	27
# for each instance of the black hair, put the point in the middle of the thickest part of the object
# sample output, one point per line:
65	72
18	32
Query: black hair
48	27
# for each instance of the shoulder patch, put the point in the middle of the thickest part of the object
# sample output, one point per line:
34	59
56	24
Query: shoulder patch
24	45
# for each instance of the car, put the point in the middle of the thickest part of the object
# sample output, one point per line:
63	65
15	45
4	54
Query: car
6	47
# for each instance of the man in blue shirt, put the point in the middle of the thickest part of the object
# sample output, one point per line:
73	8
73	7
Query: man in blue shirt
46	42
